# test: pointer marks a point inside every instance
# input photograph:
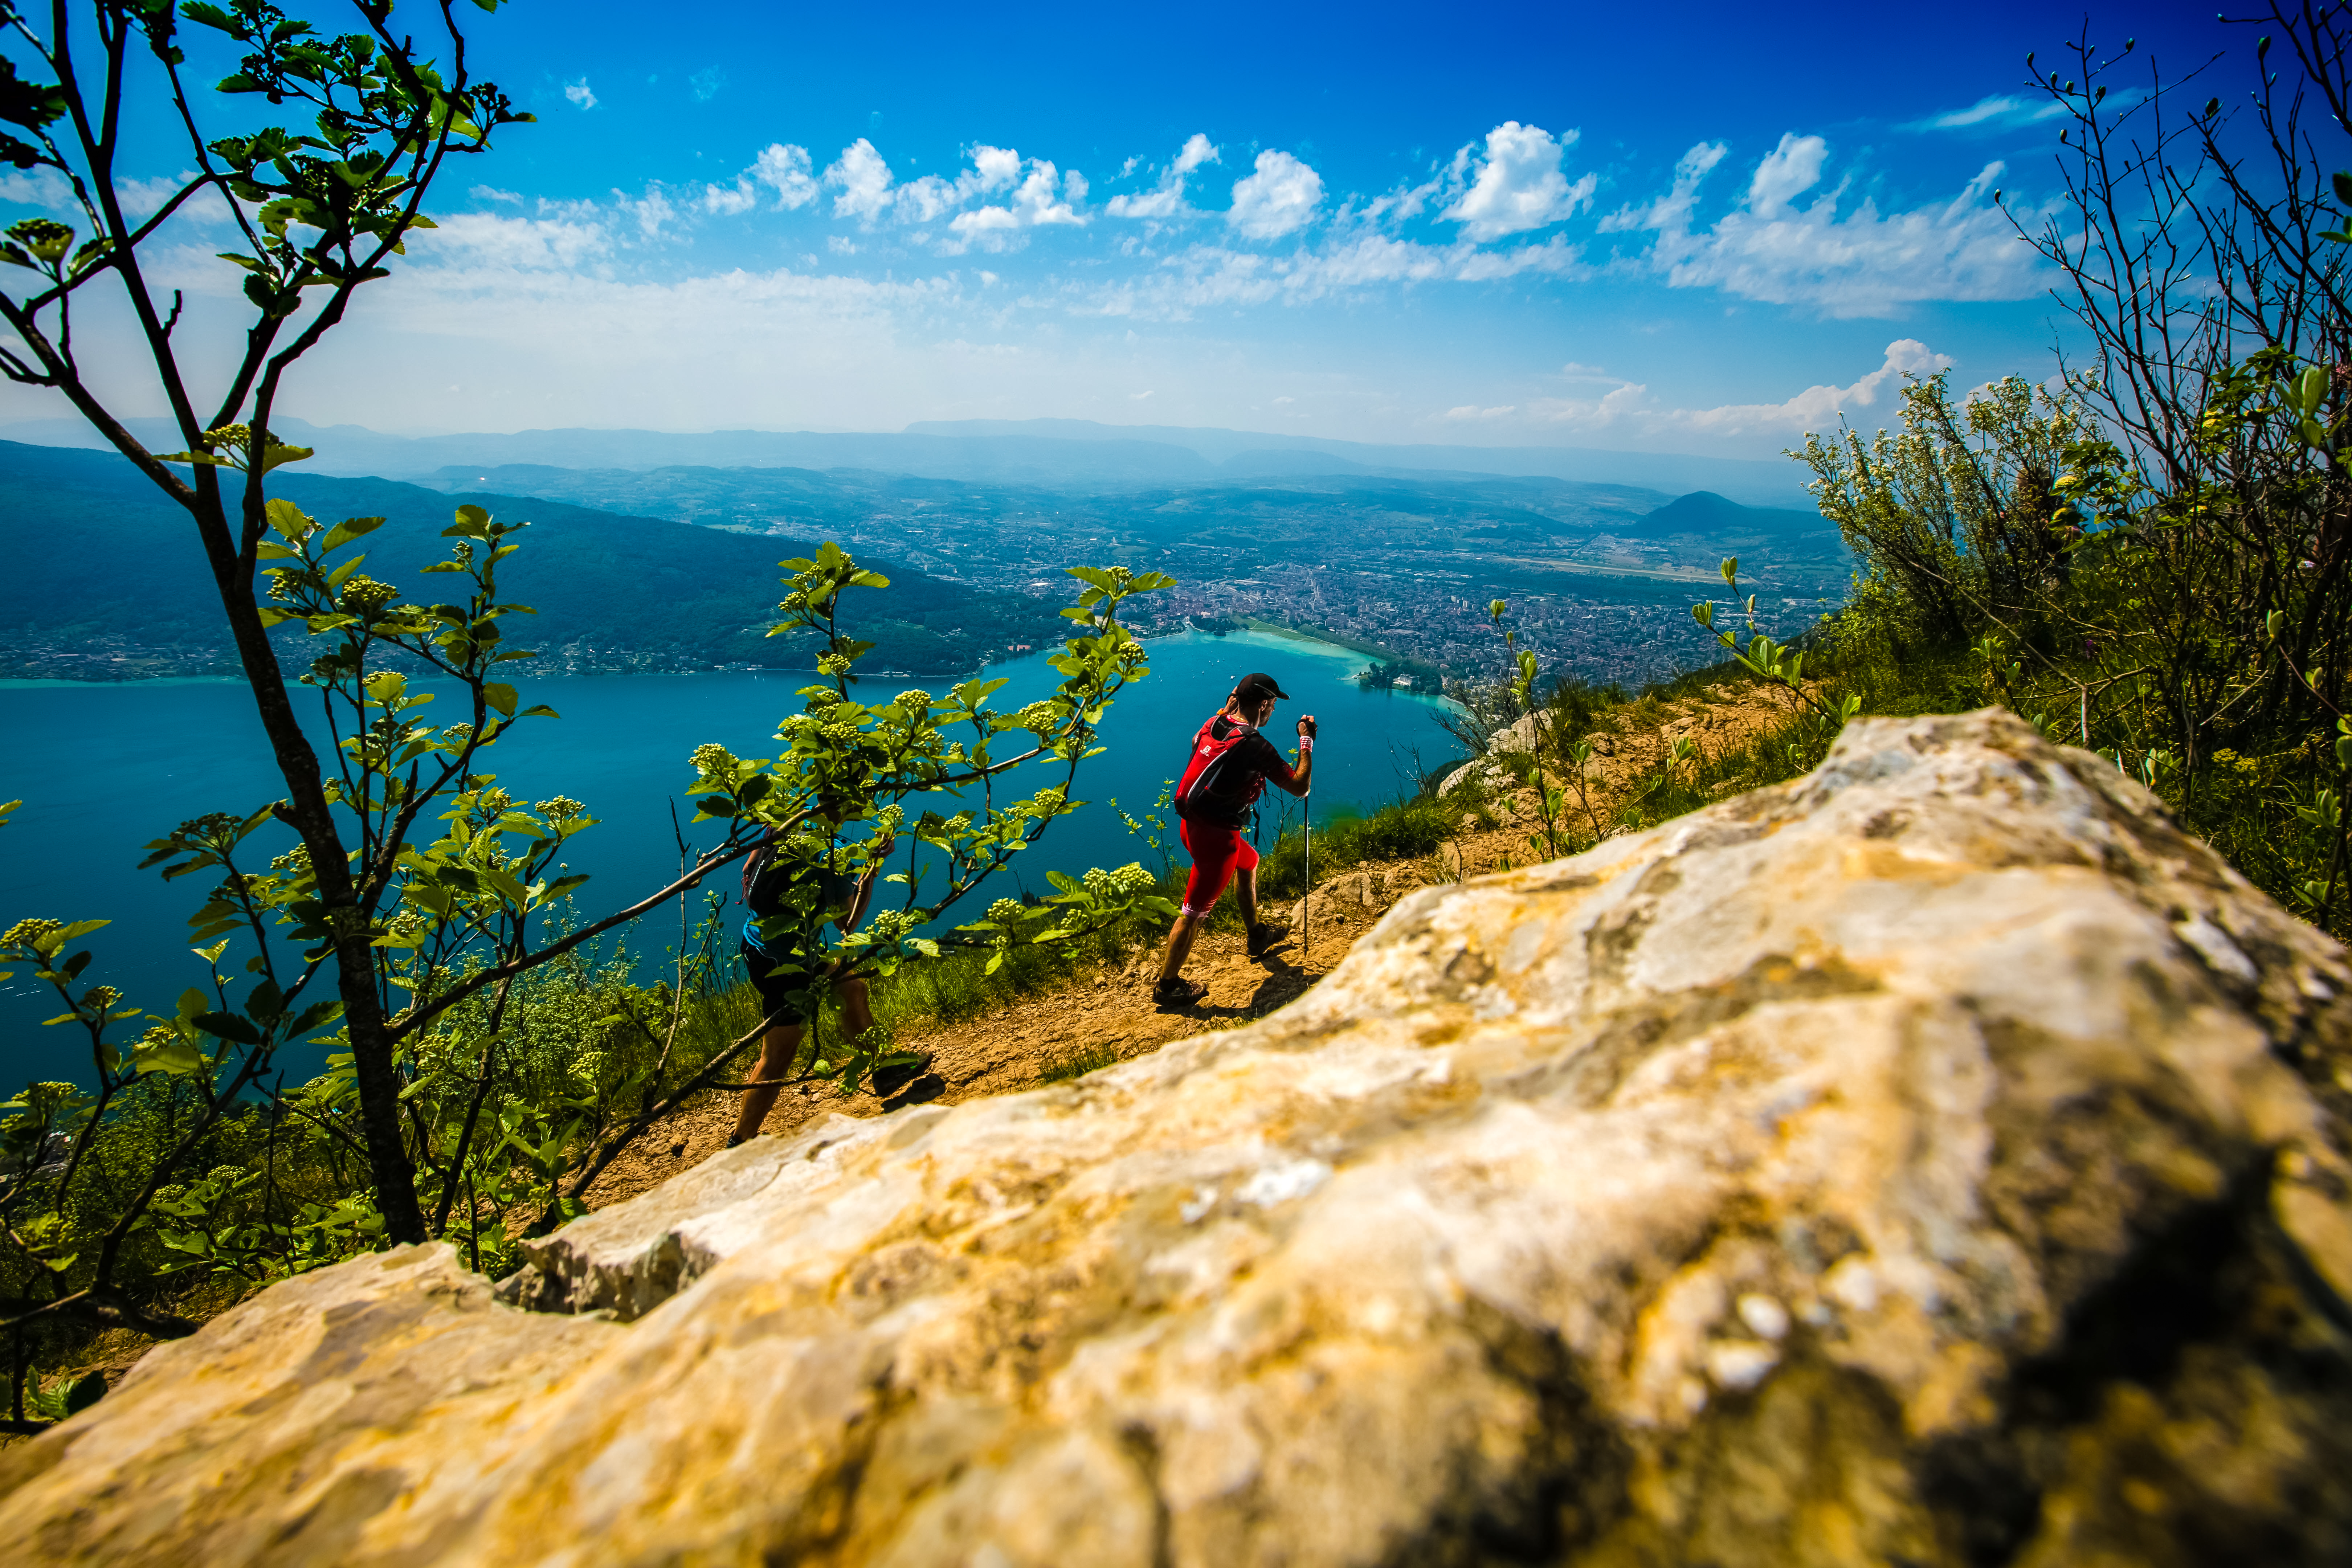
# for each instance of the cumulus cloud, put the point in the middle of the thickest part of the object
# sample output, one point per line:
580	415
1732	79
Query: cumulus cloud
863	179
780	167
1279	198
1168	199
1858	262
579	93
992	169
1042	197
1628	409
1519	185
1035	205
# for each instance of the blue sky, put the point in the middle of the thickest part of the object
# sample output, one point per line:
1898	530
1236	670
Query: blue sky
1699	228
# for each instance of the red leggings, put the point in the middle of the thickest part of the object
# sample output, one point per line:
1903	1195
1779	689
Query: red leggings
1217	853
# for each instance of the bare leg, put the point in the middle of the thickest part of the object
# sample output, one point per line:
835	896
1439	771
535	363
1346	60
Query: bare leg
1180	945
781	1045
856	1011
1246	889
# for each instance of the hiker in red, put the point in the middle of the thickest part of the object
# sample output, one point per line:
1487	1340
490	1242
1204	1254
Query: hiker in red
1231	764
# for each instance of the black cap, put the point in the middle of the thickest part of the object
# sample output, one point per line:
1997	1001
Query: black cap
1257	687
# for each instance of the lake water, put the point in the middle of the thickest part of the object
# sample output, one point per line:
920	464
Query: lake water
104	769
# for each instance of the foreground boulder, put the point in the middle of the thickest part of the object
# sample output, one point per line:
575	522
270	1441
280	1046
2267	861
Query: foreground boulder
1936	1159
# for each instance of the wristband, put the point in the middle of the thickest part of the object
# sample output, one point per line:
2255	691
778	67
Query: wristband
1305	745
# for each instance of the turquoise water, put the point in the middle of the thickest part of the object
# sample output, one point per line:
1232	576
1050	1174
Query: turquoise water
104	769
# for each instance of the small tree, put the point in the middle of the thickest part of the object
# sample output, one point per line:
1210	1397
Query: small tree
417	894
323	211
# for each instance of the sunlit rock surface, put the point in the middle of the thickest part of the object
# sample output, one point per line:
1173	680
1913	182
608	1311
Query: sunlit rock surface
1936	1159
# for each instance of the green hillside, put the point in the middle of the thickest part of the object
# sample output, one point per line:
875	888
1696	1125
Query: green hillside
105	579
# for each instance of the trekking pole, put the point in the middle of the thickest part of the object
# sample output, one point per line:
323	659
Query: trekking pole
1306	900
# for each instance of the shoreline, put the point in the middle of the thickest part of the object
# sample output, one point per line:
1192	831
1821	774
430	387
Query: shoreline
1260	628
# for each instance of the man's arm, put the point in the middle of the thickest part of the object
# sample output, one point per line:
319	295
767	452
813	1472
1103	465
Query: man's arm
1281	775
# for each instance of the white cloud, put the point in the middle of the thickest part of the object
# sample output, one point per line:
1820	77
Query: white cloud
781	167
493	193
992	169
1860	263
1787	172
1519	185
1472	411
42	188
1279	198
1168	199
1035	205
579	93
784	169
1208	276
1672	210
707	83
651	210
1628	409
863	180
499	241
1999	111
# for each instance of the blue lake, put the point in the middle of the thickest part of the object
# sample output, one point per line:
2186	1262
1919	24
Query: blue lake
103	769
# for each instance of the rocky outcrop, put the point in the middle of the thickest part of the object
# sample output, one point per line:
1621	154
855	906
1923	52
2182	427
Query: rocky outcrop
1939	1160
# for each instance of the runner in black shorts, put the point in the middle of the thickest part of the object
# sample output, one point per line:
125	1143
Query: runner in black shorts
786	972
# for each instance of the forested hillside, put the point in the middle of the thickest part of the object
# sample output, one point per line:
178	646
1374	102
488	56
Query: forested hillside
106	580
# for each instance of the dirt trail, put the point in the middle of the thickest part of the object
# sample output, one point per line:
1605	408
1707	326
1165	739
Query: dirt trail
1111	1011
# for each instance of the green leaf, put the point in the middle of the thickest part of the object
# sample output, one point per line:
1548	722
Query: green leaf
227	1026
499	696
350	528
176	1055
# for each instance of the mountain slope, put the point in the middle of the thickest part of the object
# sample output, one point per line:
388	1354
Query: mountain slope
96	553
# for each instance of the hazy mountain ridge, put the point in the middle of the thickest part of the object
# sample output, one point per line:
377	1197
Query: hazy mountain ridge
1043	452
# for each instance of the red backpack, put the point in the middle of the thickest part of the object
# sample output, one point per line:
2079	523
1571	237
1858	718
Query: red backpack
1218	787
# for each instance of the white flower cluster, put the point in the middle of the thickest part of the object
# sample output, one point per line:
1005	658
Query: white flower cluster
914	701
1039	716
1006	911
1128	879
712	760
892	924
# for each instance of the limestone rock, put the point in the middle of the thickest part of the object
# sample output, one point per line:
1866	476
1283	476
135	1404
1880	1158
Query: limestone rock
1519	735
1488	772
1938	1159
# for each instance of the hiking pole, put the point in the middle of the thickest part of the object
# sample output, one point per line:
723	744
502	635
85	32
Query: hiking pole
1306	900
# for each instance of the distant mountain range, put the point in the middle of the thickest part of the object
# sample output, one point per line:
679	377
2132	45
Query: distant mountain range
1047	452
670	566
